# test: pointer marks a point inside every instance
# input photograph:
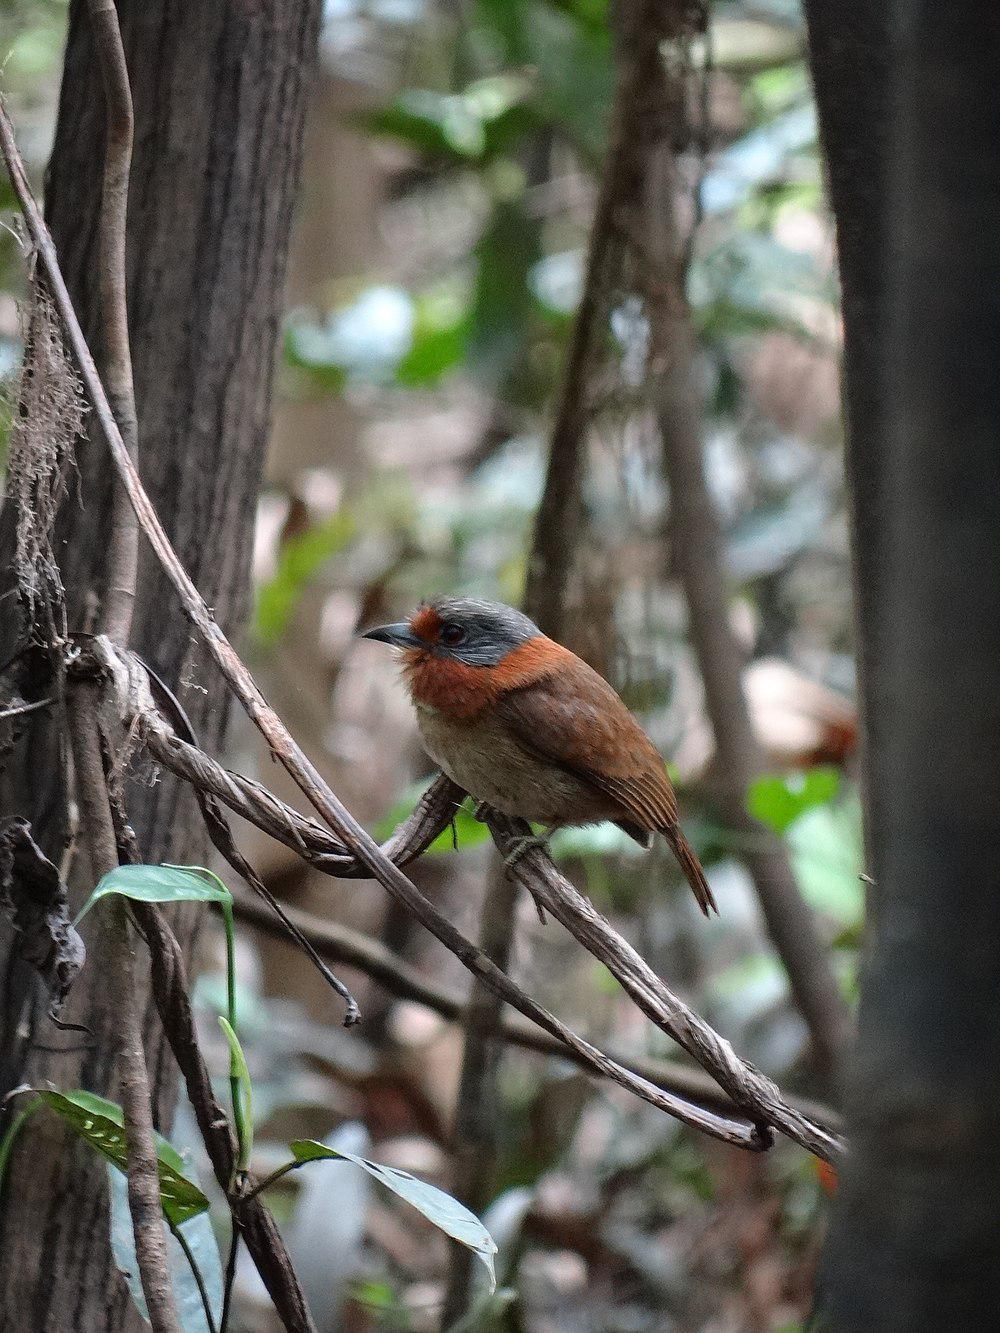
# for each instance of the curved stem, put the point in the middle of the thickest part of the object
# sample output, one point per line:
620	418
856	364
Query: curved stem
206	1303
227	1292
116	359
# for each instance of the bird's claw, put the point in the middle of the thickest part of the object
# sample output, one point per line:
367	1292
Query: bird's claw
518	847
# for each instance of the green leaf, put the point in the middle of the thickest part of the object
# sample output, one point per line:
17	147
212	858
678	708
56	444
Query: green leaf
437	345
199	1236
300	559
453	1218
780	801
239	1077
471	127
575	74
99	1123
436	125
160	884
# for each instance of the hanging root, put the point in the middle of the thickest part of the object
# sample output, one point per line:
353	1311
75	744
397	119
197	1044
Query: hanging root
47	419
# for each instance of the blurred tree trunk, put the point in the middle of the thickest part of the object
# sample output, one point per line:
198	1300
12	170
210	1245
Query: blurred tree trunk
697	557
219	93
915	1243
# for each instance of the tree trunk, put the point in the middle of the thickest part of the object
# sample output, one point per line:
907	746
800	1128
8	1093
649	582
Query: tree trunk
219	92
915	1243
849	57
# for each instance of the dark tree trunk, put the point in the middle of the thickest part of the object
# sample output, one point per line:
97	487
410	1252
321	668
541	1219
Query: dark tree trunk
915	1243
219	92
849	56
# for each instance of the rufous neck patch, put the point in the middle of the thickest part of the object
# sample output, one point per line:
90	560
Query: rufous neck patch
462	691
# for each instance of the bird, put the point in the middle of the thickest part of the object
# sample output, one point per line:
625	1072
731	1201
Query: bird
525	726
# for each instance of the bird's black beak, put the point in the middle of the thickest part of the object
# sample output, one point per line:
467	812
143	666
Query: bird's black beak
399	635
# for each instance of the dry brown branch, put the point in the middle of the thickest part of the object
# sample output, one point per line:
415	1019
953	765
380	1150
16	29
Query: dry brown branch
756	1095
217	827
133	704
349	948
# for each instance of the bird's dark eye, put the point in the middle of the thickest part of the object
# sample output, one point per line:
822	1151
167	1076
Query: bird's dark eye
452	635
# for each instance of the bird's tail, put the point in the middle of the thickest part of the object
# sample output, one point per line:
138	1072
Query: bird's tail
691	866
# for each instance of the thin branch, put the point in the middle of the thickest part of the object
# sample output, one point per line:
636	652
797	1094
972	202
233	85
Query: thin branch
314	843
349	948
251	1218
116	359
224	842
18	710
140	1139
476	1129
206	1303
230	1278
756	1095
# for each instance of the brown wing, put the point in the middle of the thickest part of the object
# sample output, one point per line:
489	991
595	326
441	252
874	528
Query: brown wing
581	725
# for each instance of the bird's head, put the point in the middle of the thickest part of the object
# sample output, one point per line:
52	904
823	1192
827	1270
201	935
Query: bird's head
459	652
464	629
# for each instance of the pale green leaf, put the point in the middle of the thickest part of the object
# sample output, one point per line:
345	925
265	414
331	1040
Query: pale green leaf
452	1217
239	1076
159	884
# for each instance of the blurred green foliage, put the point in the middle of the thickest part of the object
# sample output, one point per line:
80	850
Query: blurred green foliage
780	801
299	560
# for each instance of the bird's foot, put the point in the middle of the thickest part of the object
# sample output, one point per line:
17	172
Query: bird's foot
518	846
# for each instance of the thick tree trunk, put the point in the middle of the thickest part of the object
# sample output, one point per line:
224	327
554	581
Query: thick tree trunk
915	1245
219	92
849	57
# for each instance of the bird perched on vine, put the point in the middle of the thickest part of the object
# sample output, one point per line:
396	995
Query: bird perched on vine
527	727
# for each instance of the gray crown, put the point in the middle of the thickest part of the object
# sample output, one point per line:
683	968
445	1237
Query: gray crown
492	628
